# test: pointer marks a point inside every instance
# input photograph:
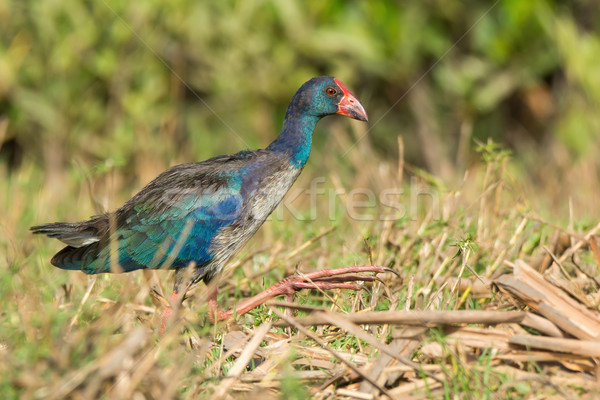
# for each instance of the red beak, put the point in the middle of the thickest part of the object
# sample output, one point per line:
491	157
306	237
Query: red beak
350	106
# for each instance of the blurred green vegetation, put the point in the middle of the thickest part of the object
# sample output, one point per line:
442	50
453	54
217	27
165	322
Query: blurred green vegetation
114	83
113	92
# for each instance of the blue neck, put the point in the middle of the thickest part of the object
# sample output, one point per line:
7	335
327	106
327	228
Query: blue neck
295	138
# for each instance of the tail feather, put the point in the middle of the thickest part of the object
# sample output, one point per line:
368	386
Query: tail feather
76	235
75	258
83	241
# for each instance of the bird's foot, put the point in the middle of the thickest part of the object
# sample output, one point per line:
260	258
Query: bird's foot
326	279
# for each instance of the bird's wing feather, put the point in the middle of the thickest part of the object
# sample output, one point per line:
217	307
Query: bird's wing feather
171	222
173	225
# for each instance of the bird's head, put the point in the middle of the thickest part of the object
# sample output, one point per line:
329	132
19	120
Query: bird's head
325	95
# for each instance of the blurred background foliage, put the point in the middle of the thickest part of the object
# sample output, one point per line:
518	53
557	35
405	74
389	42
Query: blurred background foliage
99	97
89	87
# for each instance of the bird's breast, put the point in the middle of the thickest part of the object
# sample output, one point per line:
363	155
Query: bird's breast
261	195
269	194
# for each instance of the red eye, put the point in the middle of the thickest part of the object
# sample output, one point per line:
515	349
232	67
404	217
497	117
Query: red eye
331	91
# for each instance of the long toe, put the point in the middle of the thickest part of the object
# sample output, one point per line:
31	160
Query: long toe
357	269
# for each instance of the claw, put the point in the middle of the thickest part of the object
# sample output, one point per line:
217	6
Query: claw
378	279
387	269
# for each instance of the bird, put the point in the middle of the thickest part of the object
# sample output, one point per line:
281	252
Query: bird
195	217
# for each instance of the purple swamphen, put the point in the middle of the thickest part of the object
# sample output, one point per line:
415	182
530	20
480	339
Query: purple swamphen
201	214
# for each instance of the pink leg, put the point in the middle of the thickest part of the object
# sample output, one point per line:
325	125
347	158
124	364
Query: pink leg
214	313
166	313
326	279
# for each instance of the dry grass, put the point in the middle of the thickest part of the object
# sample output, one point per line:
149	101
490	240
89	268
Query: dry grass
498	295
493	302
